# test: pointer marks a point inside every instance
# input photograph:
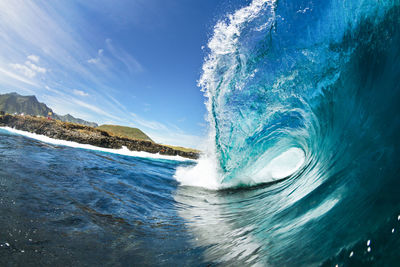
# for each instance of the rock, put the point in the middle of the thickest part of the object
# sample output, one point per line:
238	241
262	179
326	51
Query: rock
86	135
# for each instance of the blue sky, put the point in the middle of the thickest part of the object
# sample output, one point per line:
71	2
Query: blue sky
133	63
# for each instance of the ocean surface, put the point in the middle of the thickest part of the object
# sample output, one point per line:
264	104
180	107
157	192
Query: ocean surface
301	166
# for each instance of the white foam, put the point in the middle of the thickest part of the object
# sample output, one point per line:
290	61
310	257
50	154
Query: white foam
281	166
123	151
206	172
203	174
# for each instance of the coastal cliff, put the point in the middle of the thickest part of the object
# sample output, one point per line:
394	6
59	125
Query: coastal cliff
87	135
14	103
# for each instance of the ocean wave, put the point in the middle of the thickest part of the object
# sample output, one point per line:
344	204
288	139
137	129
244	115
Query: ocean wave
303	104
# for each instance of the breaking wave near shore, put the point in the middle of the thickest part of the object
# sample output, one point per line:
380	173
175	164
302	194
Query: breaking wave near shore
302	100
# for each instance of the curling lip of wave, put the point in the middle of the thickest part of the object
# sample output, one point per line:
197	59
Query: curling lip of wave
266	73
223	45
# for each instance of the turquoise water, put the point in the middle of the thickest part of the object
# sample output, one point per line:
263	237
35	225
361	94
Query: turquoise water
301	169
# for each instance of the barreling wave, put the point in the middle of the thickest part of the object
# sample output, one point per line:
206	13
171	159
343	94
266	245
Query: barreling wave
292	88
303	103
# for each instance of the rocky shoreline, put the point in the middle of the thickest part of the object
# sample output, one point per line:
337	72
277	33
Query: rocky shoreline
86	135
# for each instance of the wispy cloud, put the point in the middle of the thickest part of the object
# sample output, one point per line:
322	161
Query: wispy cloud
154	125
178	139
147	107
97	59
48	88
8	74
24	70
79	92
35	67
46	53
94	60
131	63
94	109
166	134
29	69
34	58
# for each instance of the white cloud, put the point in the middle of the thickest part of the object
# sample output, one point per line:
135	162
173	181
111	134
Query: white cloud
98	58
33	58
24	69
34	67
16	77
29	69
79	92
94	60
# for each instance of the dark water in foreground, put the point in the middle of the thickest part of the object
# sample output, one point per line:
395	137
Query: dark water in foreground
64	206
67	206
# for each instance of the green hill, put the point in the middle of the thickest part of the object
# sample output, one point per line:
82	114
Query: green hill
184	149
123	131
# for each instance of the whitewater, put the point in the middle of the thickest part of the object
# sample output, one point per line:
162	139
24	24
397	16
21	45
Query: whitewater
123	151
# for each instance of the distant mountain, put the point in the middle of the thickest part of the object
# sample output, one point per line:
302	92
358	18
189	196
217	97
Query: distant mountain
15	103
29	105
123	131
70	118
